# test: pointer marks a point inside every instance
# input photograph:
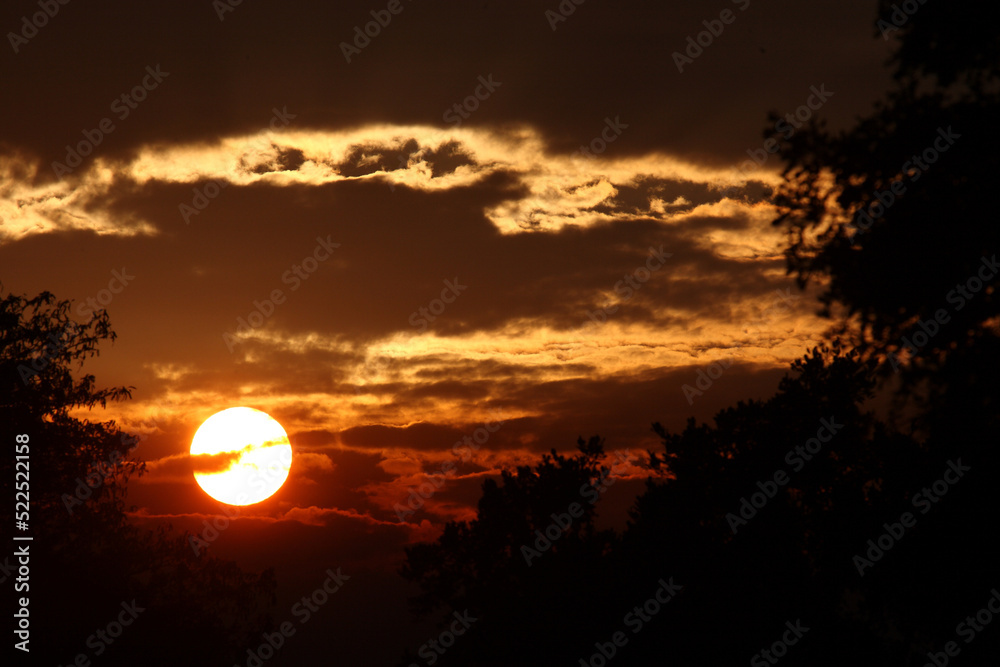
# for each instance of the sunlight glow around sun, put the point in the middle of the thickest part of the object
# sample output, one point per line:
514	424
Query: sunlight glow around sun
241	456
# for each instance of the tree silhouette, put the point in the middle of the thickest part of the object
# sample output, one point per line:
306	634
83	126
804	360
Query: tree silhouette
750	569
892	218
743	574
518	568
909	276
894	215
86	559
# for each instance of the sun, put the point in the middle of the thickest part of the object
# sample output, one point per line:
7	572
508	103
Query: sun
241	456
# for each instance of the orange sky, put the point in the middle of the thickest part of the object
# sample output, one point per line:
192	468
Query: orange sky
408	279
635	274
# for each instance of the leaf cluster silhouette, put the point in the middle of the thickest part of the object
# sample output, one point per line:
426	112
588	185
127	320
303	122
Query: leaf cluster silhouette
795	559
86	558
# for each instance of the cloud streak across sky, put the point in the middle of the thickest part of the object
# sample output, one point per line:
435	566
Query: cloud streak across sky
265	223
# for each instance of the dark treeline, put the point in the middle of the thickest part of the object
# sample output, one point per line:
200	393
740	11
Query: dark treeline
89	568
804	525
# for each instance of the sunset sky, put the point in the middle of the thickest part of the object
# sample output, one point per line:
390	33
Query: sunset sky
482	214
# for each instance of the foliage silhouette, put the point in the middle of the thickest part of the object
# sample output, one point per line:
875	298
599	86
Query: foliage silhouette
86	559
883	285
889	261
480	565
792	560
797	556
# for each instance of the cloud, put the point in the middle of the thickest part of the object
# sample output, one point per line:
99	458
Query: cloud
563	82
319	516
215	463
217	190
553	190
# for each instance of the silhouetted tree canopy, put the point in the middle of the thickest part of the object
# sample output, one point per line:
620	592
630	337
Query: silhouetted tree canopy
761	518
893	216
499	568
86	558
825	543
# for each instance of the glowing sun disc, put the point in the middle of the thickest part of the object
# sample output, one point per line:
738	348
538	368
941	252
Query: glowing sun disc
241	456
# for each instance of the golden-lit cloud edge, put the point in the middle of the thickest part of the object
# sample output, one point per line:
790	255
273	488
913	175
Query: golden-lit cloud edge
559	190
712	210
